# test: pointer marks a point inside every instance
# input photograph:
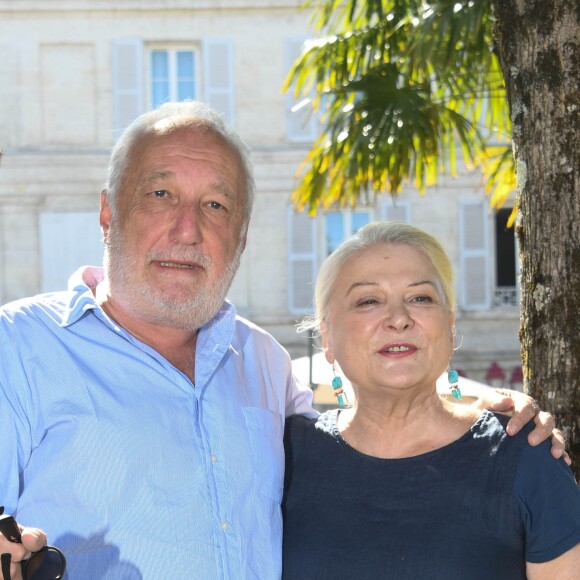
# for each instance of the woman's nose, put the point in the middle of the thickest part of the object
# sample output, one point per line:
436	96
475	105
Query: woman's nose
397	316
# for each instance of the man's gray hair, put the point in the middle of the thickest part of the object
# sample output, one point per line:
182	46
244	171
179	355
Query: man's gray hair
175	115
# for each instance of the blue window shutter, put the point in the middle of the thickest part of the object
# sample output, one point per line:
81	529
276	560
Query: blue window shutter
302	262
218	75
474	255
127	82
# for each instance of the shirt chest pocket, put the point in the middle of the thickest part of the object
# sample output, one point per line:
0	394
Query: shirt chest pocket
267	450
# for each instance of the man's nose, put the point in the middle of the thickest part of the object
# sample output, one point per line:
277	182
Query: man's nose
186	227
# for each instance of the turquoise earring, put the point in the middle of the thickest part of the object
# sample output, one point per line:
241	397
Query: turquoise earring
339	392
453	378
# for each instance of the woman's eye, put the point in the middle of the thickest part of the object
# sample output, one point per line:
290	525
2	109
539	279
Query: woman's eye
367	302
423	299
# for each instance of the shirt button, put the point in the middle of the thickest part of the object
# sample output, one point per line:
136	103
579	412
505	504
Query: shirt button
213	458
224	526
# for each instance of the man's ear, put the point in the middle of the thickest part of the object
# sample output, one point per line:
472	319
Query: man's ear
105	214
245	237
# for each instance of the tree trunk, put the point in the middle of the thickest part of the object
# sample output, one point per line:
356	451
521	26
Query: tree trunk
538	42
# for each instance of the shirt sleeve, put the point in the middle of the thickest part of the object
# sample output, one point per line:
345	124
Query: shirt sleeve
549	502
299	399
15	439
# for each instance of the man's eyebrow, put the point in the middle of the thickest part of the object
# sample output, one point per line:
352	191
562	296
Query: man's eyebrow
156	176
224	190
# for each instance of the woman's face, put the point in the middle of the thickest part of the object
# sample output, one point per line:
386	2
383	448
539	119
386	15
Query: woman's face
388	325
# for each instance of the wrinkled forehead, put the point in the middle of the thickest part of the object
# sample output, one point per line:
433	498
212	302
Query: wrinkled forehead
173	145
382	254
168	135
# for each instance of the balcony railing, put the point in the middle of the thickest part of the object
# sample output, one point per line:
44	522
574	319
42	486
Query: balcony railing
506	297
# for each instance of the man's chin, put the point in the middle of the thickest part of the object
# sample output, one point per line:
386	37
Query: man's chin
183	314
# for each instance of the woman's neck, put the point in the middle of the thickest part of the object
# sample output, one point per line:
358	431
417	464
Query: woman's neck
404	426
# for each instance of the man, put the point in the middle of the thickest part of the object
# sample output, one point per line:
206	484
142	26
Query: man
141	419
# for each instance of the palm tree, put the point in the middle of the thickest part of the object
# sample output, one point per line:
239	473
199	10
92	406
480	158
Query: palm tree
400	84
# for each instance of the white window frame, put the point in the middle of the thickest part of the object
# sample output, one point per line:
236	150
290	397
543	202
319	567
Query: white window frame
131	77
346	226
172	65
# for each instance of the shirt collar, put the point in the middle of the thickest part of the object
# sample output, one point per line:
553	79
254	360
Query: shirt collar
81	286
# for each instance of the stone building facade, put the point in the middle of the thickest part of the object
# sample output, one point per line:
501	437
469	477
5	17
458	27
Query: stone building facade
73	73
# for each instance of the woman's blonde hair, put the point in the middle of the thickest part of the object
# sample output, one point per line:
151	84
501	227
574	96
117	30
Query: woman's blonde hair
386	232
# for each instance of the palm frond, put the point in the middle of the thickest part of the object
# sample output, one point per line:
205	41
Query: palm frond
402	84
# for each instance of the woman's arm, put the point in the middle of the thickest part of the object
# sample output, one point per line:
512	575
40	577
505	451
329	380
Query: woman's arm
564	567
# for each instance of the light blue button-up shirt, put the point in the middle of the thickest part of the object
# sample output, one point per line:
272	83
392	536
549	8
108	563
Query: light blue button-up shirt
132	470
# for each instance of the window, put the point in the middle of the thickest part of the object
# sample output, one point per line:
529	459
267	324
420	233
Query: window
310	241
173	76
487	258
145	77
506	287
339	225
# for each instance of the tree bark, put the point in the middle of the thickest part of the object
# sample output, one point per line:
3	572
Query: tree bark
538	42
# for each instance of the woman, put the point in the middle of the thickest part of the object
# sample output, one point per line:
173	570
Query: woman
405	484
